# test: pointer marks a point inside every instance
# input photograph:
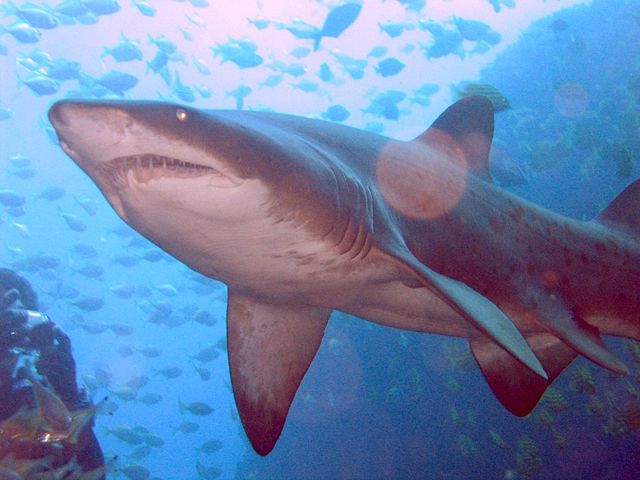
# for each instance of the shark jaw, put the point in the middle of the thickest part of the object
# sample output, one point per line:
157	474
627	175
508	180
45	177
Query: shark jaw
129	163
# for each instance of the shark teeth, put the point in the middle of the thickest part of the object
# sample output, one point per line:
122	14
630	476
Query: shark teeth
146	167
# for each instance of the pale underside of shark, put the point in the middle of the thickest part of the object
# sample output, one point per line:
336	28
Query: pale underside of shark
301	217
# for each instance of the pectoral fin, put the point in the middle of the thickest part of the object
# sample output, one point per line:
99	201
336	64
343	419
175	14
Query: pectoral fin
478	310
270	349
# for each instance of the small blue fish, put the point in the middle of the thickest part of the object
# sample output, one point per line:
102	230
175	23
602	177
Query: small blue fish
127	260
74	222
51	193
158	62
301	29
61	69
336	113
259	22
386	104
186	34
338	20
272	80
195	19
395	29
35	15
40	84
88	18
34	60
71	8
353	66
242	52
89	304
87	204
497	4
492	38
421	94
246	59
300	52
125	51
182	91
201	66
90	271
38	262
102	7
117	82
85	250
11	198
16	211
123	291
205	92
167	290
306	86
445	41
153	255
325	74
415	5
144	8
23	173
19	161
378	52
480	48
164	44
23	32
64	292
389	67
295	69
472	30
5	113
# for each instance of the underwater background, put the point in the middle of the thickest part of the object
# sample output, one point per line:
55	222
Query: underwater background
376	402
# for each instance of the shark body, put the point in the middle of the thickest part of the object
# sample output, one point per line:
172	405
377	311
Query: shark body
301	217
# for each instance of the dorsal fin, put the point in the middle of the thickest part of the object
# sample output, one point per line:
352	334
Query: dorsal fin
624	212
469	122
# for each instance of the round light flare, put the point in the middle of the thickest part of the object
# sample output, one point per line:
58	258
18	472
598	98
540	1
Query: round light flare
424	179
571	99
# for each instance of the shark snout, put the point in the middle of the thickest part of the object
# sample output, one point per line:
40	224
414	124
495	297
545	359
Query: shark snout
59	114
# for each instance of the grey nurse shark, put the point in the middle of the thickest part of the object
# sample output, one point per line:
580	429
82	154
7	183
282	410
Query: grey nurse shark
300	217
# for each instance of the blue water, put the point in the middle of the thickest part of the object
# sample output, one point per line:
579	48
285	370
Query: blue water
376	403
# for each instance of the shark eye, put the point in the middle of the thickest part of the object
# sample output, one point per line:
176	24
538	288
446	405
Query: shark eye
182	114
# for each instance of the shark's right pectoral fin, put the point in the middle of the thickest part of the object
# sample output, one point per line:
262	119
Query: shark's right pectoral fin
478	310
270	349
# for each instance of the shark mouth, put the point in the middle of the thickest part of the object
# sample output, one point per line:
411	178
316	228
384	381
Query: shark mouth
143	168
